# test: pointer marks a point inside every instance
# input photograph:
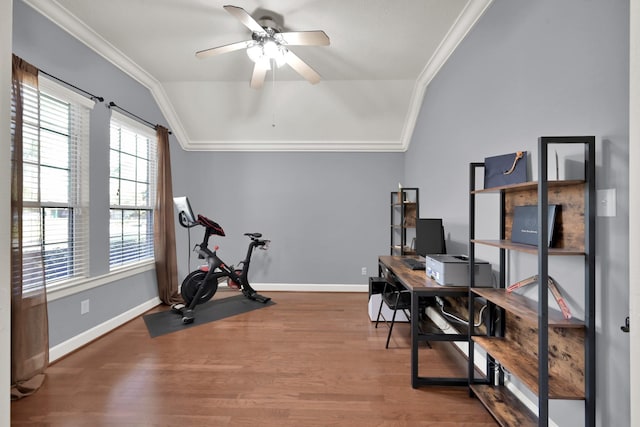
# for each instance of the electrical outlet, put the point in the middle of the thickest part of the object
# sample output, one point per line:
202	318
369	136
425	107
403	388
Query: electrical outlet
364	271
84	306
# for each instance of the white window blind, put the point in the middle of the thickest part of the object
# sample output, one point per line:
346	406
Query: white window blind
55	179
132	187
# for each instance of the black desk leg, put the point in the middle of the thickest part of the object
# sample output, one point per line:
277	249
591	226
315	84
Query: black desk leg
415	319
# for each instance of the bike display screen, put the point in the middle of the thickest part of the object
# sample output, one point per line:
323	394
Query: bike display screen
184	207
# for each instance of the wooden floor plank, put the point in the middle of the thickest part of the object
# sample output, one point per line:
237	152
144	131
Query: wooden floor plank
313	359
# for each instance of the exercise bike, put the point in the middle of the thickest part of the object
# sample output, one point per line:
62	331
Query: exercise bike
201	285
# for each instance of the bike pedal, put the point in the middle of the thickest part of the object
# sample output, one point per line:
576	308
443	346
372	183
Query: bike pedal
177	308
260	298
188	317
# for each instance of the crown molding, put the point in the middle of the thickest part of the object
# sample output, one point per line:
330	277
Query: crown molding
471	13
307	146
60	16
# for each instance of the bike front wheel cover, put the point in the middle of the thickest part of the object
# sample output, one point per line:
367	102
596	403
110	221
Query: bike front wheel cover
193	282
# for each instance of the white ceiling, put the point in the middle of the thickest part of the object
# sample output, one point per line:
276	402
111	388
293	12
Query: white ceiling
374	73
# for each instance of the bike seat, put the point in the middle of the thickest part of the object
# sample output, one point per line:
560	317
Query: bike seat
254	235
211	225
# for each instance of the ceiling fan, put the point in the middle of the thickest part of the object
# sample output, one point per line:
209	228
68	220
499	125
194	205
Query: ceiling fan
269	46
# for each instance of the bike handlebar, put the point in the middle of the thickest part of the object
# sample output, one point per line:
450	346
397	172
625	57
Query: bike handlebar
256	238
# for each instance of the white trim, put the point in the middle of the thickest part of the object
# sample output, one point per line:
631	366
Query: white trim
60	16
308	287
634	211
57	90
471	13
74	286
86	337
331	146
525	400
132	125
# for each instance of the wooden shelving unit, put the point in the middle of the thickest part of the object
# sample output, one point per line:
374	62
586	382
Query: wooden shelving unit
503	405
552	356
405	210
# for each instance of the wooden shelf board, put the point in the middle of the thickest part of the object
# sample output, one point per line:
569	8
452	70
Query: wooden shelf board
527	186
508	244
525	368
504	406
525	308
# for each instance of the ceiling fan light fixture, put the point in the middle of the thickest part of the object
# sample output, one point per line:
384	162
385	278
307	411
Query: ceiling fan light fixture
281	56
269	44
255	52
263	51
271	48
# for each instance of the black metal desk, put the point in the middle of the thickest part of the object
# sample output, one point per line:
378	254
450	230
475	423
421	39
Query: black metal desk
394	268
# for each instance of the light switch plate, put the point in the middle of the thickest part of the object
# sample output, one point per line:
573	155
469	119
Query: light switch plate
606	202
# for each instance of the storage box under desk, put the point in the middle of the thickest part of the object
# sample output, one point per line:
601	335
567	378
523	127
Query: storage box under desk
376	286
374	306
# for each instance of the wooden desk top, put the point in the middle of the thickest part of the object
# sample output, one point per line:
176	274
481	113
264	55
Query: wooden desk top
416	280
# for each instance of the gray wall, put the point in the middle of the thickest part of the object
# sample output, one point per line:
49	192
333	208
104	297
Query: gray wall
327	214
531	69
51	49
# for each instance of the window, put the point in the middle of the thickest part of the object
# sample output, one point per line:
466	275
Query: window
132	187
55	180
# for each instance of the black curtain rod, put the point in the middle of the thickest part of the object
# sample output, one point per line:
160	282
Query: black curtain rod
133	116
84	92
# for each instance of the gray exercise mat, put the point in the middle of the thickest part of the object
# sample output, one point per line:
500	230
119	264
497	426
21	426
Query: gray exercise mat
167	321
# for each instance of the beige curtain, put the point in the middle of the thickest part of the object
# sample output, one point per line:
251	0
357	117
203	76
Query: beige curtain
164	225
29	322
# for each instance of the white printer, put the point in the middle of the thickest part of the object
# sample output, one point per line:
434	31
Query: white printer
453	270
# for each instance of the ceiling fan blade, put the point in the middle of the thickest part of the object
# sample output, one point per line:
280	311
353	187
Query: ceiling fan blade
223	49
302	68
305	38
259	74
245	18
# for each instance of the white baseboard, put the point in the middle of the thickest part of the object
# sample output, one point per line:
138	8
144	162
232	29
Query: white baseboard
86	337
308	287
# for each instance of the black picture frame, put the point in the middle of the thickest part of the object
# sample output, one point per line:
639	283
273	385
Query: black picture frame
525	224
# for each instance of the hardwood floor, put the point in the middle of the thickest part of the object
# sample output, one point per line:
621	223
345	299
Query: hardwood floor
313	359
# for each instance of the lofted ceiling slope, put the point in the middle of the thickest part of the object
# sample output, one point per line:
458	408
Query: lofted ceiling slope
381	57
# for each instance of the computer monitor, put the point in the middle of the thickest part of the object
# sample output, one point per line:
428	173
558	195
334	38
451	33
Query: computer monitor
430	236
184	208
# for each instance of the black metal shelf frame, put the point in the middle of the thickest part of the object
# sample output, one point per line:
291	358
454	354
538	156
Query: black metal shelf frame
398	230
543	272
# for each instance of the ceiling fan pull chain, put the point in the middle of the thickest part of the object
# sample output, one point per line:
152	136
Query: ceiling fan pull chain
273	94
